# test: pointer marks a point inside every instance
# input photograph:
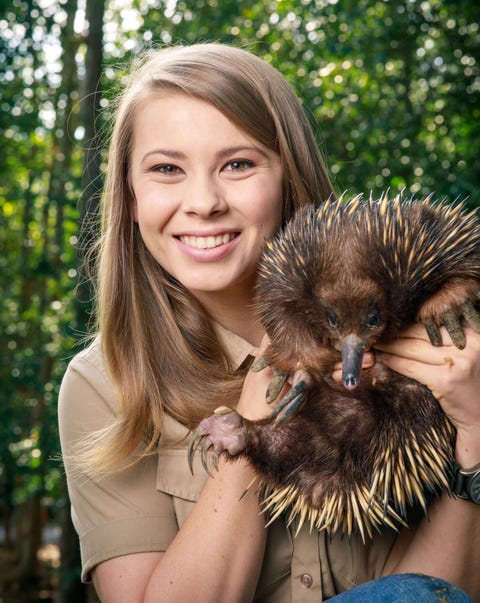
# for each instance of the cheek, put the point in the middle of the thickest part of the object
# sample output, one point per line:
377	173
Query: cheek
274	212
150	211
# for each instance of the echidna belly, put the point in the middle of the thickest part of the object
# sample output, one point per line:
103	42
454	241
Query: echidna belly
348	462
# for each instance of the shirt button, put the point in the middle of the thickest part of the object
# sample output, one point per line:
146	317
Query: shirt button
306	580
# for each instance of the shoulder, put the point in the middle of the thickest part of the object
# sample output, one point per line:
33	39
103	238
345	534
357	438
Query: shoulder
89	362
87	371
87	399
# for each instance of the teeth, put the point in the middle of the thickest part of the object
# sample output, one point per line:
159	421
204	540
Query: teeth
207	242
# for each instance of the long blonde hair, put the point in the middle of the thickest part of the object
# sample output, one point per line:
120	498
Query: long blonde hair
158	344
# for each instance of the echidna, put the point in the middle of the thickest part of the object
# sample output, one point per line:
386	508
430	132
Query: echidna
337	279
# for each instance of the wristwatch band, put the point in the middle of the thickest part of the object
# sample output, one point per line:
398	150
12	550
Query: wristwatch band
466	483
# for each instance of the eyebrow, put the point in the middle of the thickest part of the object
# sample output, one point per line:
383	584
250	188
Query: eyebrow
227	152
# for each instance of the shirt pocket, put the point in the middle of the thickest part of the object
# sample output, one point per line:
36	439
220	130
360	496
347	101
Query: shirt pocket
175	478
351	561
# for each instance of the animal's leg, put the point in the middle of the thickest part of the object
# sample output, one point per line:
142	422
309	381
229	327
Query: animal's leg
447	307
433	331
453	325
294	398
277	383
224	431
452	322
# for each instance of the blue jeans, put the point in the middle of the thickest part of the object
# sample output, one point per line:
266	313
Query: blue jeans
404	588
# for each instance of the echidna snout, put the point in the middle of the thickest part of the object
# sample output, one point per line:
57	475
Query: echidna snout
353	347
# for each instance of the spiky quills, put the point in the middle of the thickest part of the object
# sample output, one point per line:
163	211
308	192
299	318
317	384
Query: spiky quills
402	478
407	244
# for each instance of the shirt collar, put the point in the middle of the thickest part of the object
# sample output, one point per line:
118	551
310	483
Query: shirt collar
237	348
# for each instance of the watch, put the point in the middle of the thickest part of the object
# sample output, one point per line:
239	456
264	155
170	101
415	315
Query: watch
466	483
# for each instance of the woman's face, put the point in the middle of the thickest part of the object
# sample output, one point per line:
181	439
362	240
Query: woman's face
206	194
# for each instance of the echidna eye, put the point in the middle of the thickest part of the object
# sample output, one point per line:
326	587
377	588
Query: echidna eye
373	319
332	318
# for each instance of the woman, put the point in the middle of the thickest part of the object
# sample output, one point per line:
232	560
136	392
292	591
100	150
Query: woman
211	152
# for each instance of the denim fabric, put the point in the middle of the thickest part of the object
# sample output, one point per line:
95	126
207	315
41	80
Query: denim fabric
404	588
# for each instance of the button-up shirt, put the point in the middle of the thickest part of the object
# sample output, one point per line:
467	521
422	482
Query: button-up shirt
142	509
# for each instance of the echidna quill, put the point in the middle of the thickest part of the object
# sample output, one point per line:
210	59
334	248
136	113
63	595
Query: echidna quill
337	279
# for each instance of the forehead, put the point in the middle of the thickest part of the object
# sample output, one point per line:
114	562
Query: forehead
182	120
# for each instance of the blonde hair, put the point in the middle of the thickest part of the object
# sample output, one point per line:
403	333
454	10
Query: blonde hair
157	342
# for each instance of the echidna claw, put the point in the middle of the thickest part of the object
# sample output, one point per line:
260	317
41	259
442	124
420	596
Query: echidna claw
214	459
204	458
289	410
259	364
451	320
471	315
222	432
275	387
453	325
291	401
433	331
199	441
222	410
195	440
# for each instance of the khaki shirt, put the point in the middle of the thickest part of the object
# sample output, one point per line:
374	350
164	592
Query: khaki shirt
142	509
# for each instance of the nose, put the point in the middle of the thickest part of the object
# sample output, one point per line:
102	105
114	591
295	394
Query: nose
204	196
352	354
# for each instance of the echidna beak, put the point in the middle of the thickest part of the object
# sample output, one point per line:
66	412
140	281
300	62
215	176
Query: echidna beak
352	354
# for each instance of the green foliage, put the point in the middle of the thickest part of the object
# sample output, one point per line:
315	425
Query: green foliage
38	219
392	85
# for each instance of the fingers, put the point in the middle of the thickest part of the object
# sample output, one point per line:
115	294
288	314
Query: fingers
414	344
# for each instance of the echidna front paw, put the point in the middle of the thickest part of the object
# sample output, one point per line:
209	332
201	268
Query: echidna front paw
223	431
294	398
451	320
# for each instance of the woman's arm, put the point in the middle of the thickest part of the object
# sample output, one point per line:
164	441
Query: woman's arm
447	543
217	554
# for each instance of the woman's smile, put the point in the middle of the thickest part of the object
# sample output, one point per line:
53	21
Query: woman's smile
207	241
208	248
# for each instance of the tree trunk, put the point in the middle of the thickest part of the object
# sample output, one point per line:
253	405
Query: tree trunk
91	179
71	590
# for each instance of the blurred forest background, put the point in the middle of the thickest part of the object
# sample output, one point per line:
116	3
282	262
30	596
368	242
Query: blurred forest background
392	84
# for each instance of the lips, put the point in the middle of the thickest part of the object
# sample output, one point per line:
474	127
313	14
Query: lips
207	242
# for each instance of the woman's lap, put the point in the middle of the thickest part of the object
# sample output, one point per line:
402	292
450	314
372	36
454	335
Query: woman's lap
404	588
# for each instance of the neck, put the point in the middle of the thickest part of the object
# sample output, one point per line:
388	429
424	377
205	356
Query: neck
234	311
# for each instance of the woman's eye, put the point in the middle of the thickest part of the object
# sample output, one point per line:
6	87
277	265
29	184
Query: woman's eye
239	165
166	168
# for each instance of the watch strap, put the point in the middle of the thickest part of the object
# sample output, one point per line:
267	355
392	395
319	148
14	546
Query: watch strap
463	480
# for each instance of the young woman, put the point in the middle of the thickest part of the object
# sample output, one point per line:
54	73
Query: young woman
210	154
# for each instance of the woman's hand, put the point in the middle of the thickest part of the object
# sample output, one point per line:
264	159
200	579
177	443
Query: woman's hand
252	403
451	374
